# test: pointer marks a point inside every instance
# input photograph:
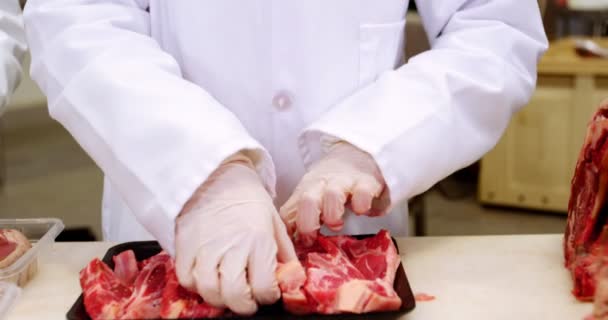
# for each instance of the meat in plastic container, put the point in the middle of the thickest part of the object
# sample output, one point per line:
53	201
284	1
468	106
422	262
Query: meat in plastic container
41	233
9	293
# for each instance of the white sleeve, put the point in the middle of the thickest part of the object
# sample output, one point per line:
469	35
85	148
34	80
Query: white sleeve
448	106
12	48
156	136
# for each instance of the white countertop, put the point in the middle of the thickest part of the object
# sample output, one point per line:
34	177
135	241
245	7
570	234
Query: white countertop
480	277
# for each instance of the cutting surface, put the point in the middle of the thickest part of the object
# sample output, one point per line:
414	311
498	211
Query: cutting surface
480	277
491	277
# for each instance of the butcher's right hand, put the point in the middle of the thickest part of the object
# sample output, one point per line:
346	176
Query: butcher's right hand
228	239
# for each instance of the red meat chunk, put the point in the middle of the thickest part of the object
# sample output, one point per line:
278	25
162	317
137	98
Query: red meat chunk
341	274
586	236
104	294
129	292
125	267
179	303
336	275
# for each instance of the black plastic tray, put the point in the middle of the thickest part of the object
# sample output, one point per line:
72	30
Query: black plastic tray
146	249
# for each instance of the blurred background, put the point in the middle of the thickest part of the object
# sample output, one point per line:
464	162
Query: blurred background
521	186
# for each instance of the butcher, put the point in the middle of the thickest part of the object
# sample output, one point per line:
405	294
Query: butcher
12	49
226	127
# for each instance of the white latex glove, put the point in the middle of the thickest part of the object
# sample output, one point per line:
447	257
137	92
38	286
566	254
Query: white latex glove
228	238
345	178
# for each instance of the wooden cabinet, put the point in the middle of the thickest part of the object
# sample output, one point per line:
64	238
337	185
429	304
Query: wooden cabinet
533	163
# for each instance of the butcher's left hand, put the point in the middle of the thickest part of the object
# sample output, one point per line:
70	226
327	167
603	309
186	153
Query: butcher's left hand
346	177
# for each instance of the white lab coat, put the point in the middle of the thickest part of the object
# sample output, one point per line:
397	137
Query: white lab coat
12	49
159	92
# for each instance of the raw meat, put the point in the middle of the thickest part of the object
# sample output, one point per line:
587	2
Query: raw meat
179	303
104	294
13	244
600	305
125	267
341	274
586	237
336	275
145	290
148	287
423	297
292	278
375	257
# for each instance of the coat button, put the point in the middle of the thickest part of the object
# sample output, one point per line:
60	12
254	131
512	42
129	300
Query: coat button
282	100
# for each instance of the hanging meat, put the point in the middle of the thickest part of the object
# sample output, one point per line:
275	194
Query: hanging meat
586	236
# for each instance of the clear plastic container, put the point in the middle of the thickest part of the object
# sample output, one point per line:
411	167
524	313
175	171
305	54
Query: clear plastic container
9	293
41	233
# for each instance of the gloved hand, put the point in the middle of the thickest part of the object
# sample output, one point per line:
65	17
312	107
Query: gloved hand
345	178
228	237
